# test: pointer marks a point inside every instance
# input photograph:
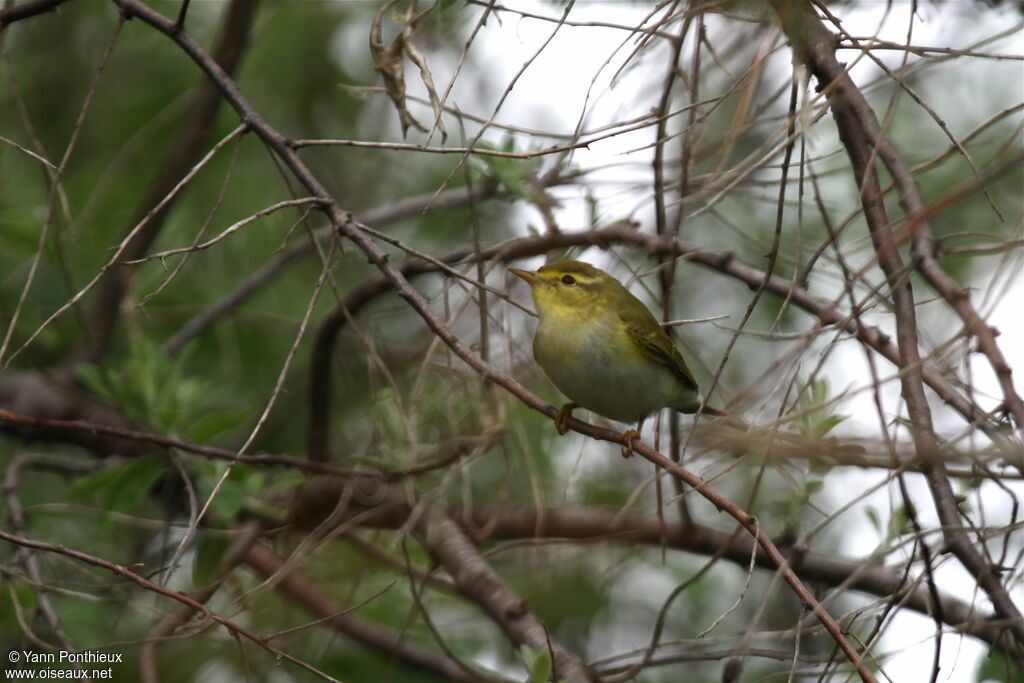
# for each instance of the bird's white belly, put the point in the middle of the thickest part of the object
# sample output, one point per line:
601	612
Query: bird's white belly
583	364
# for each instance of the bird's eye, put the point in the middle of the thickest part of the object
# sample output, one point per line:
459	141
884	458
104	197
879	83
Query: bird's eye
568	280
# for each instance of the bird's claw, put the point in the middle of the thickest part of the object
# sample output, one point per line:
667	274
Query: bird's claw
629	436
563	416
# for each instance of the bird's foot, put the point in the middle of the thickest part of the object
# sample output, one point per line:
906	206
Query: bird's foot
563	416
629	436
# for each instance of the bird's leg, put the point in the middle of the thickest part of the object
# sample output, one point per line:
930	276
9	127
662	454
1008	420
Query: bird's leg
629	435
563	416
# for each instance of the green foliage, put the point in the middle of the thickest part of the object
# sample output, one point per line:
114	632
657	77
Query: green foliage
236	485
210	549
517	176
148	385
998	667
567	599
871	512
209	426
18	599
122	487
899	524
819	419
537	663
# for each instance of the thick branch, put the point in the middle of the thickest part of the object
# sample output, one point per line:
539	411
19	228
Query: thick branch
38	395
319	499
618	525
35	406
323	502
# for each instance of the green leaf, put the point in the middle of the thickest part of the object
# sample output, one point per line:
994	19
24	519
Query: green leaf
232	495
540	669
537	662
899	523
513	174
996	667
872	515
120	488
214	424
94	379
510	174
148	385
26	597
209	551
818	419
820	467
824	425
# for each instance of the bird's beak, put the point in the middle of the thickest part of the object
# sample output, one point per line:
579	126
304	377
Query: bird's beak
528	275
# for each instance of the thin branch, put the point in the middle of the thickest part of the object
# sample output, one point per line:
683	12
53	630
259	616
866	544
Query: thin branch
57	188
315	599
225	233
24	150
148	585
122	248
9	15
393	211
183	154
875	43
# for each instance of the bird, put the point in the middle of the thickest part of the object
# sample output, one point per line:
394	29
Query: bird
605	350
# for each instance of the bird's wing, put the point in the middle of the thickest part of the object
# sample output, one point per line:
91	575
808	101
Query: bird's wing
646	333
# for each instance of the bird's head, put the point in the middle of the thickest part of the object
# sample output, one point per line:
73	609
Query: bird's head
566	287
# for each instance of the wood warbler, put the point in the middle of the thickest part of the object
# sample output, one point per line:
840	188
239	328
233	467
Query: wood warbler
604	350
